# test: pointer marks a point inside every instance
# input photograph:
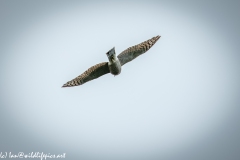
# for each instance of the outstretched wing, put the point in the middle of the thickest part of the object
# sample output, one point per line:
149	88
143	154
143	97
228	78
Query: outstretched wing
90	74
134	51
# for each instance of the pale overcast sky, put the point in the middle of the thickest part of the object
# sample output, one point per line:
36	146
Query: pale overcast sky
178	101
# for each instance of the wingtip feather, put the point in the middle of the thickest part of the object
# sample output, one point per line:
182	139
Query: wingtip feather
65	85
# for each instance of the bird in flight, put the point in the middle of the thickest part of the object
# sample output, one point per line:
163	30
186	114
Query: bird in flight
115	63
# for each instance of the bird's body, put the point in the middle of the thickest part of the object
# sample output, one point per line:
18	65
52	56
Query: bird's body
115	67
115	63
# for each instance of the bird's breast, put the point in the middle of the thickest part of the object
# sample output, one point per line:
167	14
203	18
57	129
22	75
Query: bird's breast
115	67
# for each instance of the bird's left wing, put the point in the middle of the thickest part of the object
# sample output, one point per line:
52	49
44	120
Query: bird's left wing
90	74
135	51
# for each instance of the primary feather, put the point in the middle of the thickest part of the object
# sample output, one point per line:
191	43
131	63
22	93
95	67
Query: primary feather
135	51
90	74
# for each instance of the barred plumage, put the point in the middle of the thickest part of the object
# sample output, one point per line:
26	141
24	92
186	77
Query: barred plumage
90	74
114	64
135	51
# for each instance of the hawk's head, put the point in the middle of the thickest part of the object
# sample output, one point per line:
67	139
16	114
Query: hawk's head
111	55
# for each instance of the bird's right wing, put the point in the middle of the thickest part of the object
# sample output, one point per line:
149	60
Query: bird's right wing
135	51
90	74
